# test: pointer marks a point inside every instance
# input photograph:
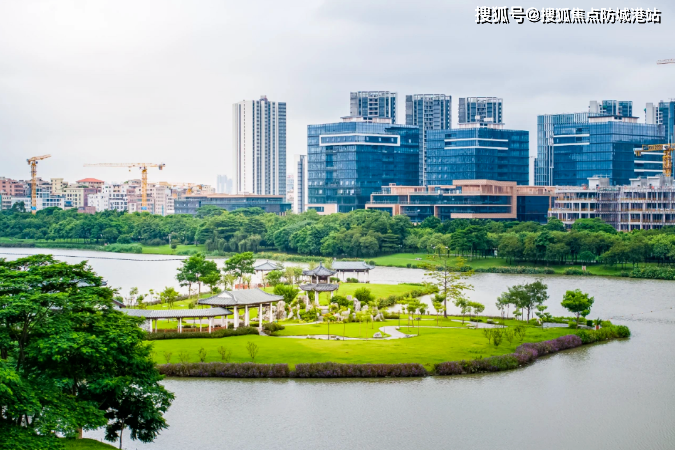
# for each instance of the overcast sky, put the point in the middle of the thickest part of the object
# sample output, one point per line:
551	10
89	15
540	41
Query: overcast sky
154	80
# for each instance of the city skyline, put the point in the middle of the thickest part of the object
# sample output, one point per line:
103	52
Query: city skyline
118	87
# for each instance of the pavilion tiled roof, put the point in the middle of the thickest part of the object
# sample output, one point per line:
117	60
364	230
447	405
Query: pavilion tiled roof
90	180
241	297
268	266
319	287
347	266
319	271
176	313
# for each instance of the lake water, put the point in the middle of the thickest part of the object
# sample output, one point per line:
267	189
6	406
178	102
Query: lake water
617	395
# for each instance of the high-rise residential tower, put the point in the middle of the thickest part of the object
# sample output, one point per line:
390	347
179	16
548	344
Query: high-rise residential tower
223	184
259	144
621	108
427	112
482	110
374	104
300	200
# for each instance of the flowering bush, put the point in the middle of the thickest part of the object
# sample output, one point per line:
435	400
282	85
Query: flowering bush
225	370
524	354
335	370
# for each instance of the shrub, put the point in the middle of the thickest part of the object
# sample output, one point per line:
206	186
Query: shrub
351	280
408	265
342	301
335	370
391	315
202	353
309	315
572	324
363	295
124	239
22	438
334	279
622	331
270	328
658	273
590	323
173	245
225	370
154	242
225	353
124	248
197	335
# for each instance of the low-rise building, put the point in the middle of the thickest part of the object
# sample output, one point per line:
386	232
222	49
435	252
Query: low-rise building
647	203
466	199
269	203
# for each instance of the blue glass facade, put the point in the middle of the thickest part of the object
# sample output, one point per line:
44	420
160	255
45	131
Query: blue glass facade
599	148
544	163
348	161
668	116
476	154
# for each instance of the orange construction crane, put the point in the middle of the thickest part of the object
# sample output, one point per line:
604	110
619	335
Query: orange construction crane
33	162
667	155
144	176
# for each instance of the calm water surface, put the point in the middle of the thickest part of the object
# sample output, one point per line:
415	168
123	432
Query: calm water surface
617	395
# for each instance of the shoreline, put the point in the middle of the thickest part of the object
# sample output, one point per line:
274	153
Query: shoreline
479	265
525	355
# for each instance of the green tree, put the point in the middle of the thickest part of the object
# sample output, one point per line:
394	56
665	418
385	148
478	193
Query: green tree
169	296
288	292
449	277
240	264
364	296
577	302
274	277
80	362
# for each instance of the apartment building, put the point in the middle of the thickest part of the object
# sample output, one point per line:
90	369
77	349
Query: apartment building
646	203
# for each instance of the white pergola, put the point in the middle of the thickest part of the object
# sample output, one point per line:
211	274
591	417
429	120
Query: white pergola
244	298
153	315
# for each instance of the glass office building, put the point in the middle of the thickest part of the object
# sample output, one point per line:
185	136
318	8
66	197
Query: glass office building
348	161
427	112
603	146
668	116
544	163
480	153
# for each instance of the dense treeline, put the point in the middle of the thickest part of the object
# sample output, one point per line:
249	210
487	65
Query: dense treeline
360	233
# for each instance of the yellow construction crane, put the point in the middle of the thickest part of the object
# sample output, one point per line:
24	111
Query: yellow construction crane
667	155
144	176
33	162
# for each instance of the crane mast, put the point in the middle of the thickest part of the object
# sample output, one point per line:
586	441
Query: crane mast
33	162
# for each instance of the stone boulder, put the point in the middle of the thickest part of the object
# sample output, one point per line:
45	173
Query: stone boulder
377	335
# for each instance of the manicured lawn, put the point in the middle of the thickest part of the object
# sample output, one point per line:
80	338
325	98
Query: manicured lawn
434	345
355	329
86	444
378	290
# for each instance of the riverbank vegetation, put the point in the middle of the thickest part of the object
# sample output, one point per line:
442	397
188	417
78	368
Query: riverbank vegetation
358	234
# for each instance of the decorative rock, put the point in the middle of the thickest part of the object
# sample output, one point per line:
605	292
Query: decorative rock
377	334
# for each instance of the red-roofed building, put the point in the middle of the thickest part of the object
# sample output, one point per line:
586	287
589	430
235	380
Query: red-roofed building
90	182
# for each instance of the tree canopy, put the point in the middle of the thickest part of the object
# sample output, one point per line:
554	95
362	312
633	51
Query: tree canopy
69	359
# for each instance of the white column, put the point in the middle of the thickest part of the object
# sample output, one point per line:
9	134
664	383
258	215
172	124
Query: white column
211	323
316	297
332	294
236	318
260	317
246	315
271	316
180	325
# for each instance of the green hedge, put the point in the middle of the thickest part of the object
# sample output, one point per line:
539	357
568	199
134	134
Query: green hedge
124	248
197	335
603	334
515	269
657	273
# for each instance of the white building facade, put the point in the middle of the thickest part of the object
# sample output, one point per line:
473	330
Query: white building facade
259	147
